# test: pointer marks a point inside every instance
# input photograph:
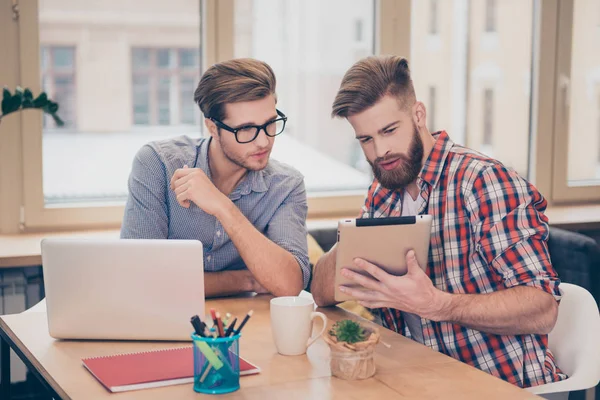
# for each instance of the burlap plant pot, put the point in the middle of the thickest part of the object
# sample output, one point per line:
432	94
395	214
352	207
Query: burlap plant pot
352	361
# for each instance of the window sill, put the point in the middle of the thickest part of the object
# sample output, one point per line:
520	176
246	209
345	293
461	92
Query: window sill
22	250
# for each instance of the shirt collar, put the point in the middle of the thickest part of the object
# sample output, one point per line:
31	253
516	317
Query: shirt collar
434	165
254	181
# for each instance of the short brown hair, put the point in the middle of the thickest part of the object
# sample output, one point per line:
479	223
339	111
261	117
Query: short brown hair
371	78
233	81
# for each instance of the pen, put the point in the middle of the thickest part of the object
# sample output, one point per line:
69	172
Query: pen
246	318
230	328
220	325
214	317
198	325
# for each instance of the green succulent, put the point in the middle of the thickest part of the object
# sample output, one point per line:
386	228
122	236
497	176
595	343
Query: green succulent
23	99
348	331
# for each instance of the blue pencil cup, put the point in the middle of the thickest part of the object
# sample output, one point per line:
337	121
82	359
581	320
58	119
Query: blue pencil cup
216	364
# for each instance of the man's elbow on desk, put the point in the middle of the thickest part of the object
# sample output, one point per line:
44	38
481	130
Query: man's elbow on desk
285	284
290	290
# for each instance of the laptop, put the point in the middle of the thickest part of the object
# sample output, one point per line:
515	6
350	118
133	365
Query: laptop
122	289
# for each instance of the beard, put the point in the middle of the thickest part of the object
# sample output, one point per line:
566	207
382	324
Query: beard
408	169
243	161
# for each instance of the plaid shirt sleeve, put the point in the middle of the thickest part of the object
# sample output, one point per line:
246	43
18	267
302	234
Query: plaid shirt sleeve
510	229
366	210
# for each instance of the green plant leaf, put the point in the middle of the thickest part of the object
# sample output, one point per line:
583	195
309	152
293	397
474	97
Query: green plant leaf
27	99
14	104
17	98
57	120
41	100
6	101
348	331
27	95
24	99
51	107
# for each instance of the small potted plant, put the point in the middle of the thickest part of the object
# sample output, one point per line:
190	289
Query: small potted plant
352	346
23	99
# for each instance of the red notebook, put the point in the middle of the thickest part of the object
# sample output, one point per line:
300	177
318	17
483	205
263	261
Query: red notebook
150	369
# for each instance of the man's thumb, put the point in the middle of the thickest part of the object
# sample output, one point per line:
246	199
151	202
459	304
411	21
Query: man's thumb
411	261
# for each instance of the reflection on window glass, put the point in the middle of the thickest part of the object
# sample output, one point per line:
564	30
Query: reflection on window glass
188	107
164	86
584	105
58	81
482	82
120	82
141	100
165	75
163	57
309	59
188	58
140	58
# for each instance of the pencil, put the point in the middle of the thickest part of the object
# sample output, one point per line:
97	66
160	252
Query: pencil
220	325
214	317
246	318
230	327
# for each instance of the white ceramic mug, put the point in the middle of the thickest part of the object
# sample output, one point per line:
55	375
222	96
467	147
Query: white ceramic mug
291	323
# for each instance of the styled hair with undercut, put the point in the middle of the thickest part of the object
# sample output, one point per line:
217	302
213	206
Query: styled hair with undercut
369	80
233	81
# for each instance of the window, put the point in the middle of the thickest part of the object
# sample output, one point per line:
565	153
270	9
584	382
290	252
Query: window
431	110
582	106
488	117
58	81
127	90
157	74
490	16
309	60
433	17
461	71
118	109
110	109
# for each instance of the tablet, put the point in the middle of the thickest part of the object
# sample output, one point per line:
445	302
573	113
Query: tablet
381	241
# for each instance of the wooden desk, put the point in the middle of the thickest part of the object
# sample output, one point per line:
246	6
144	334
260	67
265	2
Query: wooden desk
406	370
24	250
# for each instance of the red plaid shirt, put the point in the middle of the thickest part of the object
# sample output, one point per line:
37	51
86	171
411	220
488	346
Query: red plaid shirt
489	233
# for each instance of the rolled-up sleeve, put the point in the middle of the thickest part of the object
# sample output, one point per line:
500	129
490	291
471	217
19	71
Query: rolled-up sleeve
146	210
287	228
511	230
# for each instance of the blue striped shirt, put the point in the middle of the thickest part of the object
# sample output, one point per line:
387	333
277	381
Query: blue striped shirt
273	200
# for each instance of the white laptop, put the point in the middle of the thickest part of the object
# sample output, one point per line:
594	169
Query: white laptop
123	289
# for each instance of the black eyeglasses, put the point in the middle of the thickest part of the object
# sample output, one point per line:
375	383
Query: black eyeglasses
247	133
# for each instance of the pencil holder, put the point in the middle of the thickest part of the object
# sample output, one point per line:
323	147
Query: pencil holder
216	364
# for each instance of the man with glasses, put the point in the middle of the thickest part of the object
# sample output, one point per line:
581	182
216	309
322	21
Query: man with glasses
248	211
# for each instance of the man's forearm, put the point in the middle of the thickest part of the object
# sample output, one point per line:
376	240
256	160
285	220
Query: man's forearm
515	311
227	283
274	267
322	286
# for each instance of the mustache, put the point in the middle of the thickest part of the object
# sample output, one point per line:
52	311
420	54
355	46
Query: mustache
390	157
